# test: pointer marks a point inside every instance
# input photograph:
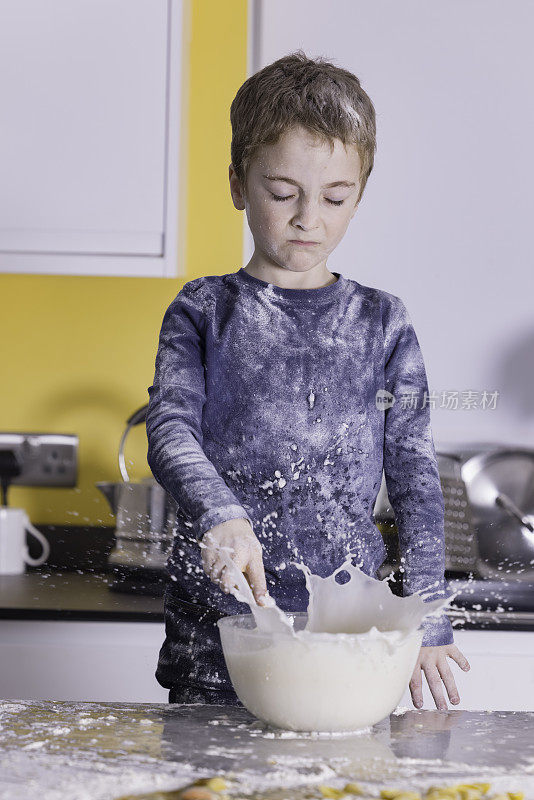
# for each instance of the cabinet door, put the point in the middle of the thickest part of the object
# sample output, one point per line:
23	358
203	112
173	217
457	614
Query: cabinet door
89	661
86	143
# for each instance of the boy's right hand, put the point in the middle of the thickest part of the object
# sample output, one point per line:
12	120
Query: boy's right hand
247	555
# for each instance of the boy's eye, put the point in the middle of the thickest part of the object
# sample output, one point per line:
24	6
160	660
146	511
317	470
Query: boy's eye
289	196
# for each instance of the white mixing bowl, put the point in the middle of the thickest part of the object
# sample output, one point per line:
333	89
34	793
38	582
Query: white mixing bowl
317	681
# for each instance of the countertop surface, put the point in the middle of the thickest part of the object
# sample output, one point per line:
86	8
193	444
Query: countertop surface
67	595
53	749
43	594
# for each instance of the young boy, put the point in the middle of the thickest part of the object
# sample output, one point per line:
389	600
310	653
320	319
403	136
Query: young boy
269	419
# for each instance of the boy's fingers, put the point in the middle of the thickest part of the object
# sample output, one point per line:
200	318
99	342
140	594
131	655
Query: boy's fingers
226	583
460	659
208	559
434	682
256	578
416	688
448	680
217	570
208	541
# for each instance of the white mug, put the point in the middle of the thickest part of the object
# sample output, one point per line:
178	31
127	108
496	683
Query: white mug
14	554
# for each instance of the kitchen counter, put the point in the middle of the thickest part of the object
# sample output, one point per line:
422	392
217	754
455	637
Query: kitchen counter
51	750
65	595
45	594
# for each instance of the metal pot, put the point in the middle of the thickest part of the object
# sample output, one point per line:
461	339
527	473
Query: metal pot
500	487
145	515
488	490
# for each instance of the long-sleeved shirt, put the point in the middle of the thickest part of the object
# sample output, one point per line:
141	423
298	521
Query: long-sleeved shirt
268	404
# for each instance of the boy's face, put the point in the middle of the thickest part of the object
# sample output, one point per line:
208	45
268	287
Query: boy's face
302	170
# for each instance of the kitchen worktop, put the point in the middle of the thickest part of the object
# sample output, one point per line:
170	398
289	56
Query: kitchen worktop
67	595
52	750
46	594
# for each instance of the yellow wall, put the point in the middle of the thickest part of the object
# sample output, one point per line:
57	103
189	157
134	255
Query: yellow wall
78	352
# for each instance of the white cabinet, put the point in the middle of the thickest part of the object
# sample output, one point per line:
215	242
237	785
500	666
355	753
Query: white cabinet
116	661
92	661
90	136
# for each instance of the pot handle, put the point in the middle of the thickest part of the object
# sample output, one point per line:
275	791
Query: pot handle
135	419
504	502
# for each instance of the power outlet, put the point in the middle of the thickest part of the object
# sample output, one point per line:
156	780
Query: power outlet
45	459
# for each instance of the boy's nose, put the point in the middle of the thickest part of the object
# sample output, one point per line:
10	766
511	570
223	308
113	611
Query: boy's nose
306	216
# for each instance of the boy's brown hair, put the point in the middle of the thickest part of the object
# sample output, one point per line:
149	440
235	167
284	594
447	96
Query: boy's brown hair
297	90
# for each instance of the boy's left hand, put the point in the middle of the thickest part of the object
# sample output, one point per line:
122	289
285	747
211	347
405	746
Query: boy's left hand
433	662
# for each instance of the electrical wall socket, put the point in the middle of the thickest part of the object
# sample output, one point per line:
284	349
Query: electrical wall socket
46	459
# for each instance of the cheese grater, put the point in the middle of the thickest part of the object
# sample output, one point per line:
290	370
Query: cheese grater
461	549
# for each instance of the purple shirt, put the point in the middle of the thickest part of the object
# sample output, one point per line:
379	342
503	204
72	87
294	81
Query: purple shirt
263	406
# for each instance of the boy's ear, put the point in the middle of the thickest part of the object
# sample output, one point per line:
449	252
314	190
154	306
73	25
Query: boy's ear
236	189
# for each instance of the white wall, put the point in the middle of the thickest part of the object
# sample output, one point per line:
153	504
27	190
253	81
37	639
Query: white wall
446	218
